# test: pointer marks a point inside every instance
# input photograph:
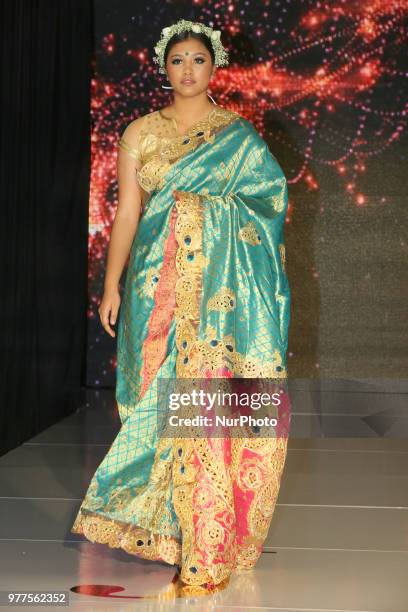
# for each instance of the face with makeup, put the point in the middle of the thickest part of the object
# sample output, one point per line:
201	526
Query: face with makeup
189	67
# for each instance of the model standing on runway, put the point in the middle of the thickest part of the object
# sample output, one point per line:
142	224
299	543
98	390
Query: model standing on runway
202	204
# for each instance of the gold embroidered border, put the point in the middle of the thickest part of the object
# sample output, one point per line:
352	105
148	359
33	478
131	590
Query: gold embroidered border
189	264
205	129
197	528
153	173
133	539
268	458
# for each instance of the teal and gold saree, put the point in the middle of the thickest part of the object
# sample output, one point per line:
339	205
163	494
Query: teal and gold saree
206	296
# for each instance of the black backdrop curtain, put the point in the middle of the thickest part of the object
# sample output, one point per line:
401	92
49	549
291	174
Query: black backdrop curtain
46	59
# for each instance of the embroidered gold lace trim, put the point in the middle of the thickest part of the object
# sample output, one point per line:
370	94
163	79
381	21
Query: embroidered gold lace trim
152	174
133	539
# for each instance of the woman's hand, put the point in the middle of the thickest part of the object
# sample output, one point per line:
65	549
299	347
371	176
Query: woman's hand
108	309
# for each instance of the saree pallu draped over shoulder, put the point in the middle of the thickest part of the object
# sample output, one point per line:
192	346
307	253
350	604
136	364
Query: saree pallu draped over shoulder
206	296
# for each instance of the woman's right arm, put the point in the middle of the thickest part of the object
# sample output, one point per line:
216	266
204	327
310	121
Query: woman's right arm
125	223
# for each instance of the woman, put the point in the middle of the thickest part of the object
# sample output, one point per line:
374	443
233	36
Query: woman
206	295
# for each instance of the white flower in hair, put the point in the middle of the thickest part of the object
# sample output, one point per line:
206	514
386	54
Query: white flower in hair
183	25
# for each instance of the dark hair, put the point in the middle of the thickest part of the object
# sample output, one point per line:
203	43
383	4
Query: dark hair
176	38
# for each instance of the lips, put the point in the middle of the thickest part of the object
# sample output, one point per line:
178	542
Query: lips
187	82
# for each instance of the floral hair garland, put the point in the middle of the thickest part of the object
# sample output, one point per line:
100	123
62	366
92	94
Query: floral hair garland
221	55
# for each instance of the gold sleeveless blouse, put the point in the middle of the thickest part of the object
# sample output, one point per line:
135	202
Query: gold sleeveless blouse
160	144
